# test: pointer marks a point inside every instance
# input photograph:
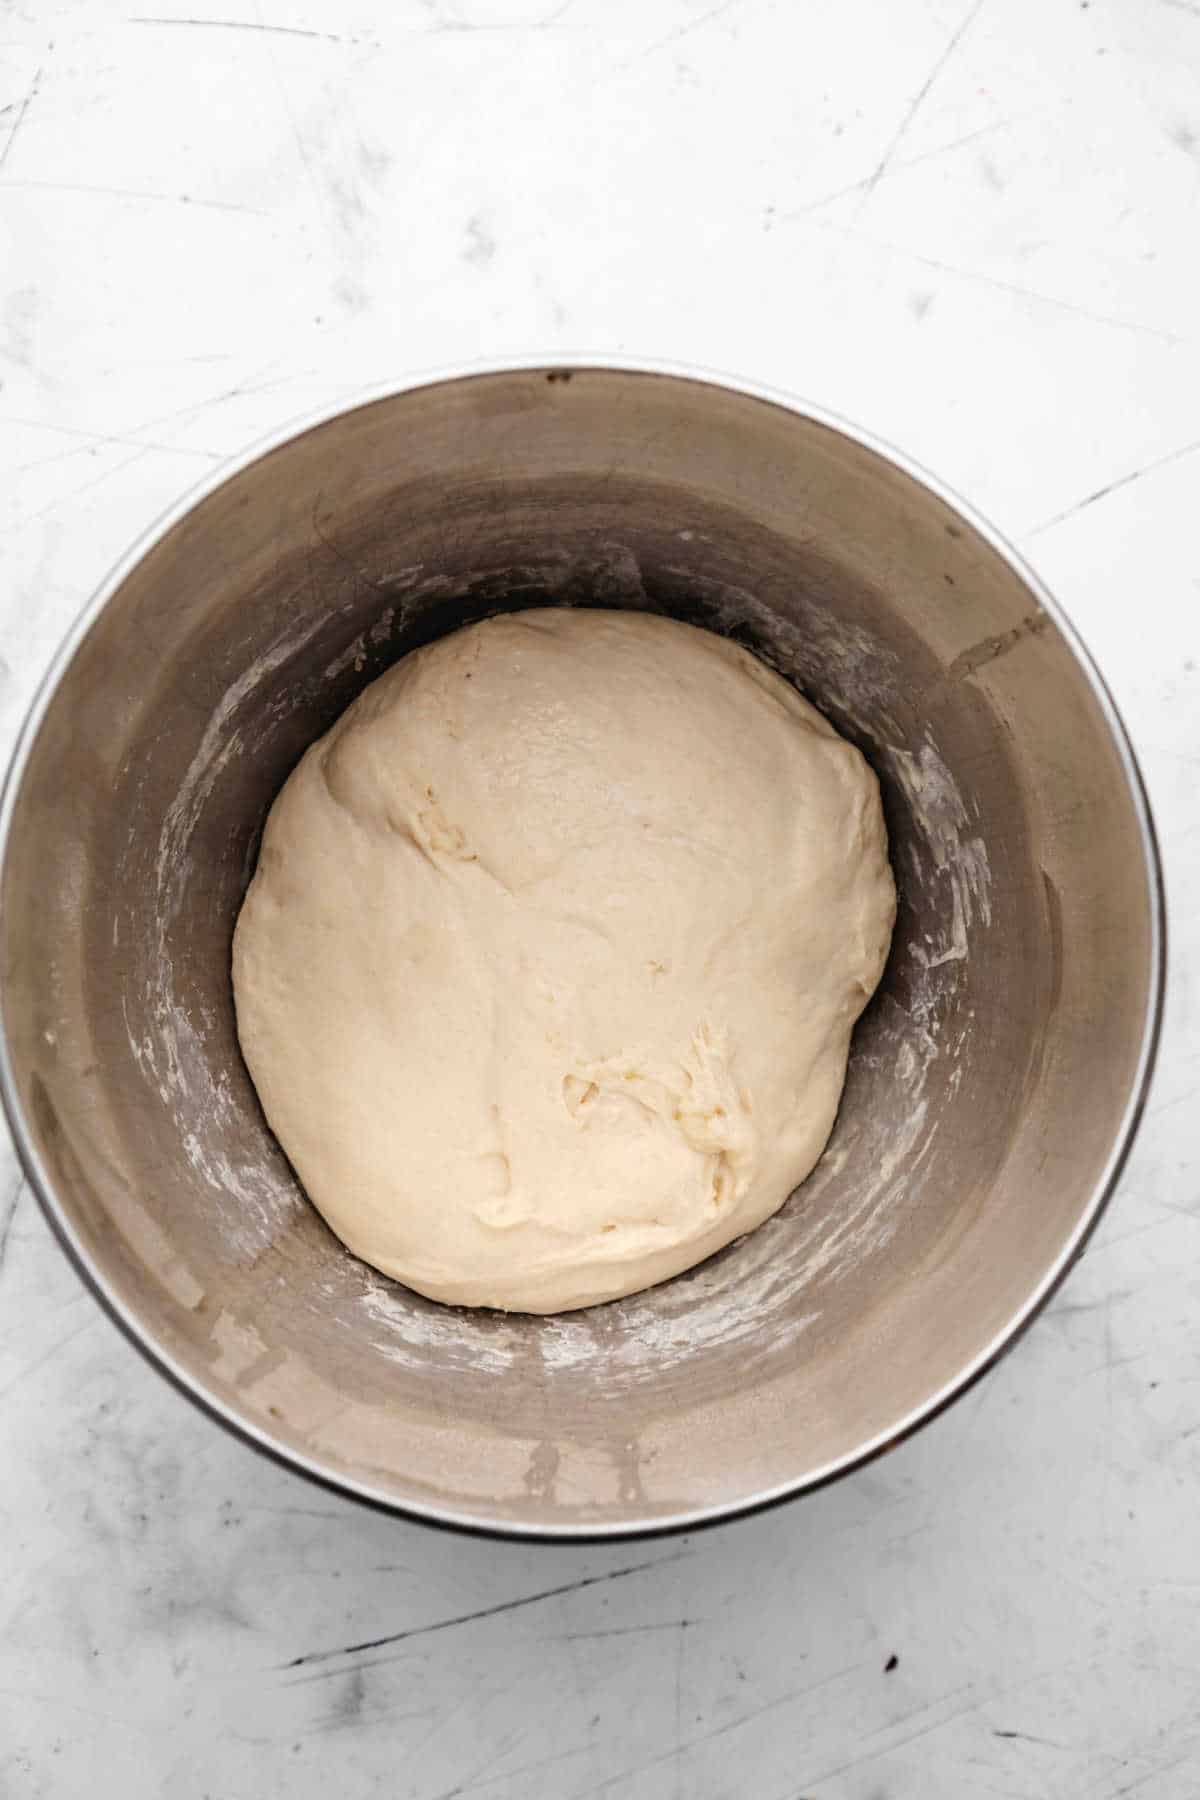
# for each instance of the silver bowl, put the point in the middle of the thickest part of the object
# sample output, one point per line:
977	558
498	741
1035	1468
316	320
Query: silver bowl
995	1080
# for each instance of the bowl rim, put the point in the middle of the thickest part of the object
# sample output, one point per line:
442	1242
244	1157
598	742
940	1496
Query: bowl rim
257	1437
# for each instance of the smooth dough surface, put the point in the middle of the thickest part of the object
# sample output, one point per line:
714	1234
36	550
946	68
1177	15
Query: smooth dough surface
547	973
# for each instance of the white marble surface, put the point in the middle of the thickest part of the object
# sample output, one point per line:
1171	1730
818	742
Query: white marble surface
969	224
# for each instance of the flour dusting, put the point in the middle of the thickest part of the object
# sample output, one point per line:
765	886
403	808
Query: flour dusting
953	855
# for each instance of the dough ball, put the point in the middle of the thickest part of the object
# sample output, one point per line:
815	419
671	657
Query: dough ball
547	973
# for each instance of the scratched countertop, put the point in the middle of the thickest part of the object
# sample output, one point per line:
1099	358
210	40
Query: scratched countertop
970	225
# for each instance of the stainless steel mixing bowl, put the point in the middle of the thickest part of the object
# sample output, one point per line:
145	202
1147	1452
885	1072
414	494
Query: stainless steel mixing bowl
995	1081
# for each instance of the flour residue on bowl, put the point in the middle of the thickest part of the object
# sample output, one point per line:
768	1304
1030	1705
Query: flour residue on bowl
173	1049
954	854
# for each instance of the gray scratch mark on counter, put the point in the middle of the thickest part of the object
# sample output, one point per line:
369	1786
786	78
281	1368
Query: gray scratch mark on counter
65	498
117	193
1027	1737
133	437
615	1631
18	122
869	1755
678	1751
471	1786
686	30
899	168
8	1212
1112	487
1162	1768
296	31
86	442
470	27
916	103
48	1355
485	1612
999	285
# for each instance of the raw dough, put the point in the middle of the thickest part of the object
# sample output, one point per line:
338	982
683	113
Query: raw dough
547	973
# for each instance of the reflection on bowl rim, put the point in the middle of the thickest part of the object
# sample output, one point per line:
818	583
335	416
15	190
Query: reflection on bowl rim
930	1408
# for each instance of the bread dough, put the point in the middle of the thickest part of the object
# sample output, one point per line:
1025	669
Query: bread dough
548	969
